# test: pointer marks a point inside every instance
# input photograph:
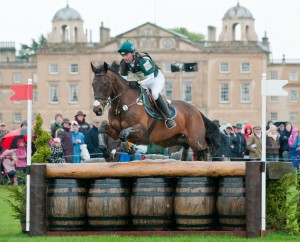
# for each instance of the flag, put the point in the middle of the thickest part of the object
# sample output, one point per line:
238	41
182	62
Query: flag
22	92
273	88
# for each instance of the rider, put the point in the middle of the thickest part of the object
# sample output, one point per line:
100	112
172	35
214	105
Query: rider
139	67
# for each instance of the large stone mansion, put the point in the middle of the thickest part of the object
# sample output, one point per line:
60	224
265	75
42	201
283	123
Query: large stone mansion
225	87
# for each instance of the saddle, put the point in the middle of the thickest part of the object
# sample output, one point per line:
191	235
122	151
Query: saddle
146	99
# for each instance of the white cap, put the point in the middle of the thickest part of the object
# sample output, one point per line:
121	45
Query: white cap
74	123
56	140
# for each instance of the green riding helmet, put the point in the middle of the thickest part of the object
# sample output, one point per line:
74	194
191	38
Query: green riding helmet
126	47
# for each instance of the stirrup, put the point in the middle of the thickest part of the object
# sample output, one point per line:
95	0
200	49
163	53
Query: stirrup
170	123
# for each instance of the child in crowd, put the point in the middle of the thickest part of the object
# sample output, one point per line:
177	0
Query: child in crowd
294	143
9	164
57	155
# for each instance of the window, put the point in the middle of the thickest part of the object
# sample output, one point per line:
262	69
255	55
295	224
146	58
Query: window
17	117
35	96
34	78
274	75
224	93
53	94
53	69
73	93
73	68
293	76
187	92
245	92
245	67
294	116
294	96
166	67
224	68
274	116
17	102
169	90
147	31
273	99
17	77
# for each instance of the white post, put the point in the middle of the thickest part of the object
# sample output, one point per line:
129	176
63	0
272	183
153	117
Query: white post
29	140
263	155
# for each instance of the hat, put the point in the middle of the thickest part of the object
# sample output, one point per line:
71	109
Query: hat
74	123
2	124
96	120
256	127
80	113
24	122
216	122
57	140
228	126
66	120
239	126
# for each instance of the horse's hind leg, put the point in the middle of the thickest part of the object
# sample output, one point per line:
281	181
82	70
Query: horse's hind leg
203	155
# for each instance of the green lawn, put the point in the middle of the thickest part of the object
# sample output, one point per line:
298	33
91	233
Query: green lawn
10	230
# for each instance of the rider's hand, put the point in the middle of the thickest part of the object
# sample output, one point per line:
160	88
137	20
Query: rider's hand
140	82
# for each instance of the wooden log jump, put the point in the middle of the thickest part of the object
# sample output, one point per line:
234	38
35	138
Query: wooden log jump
251	170
146	169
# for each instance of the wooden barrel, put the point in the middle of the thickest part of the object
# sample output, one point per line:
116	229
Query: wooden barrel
152	204
66	204
194	203
108	204
231	203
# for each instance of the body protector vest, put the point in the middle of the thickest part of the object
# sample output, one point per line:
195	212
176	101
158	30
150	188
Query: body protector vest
143	65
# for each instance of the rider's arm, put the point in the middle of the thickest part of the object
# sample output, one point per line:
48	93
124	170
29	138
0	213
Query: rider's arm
148	79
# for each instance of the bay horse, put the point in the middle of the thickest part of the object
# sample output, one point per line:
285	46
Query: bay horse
129	121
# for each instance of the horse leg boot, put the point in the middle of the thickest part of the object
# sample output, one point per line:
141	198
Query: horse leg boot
161	103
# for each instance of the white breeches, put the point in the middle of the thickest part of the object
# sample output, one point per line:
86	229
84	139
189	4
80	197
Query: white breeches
156	85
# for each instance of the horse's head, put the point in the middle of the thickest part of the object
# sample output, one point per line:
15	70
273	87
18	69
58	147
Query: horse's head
102	87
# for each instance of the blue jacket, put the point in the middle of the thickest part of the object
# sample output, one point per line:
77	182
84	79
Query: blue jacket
76	146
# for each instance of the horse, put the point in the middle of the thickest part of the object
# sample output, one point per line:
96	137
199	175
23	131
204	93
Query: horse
128	120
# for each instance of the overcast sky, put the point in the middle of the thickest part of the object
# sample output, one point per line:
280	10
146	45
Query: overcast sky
22	20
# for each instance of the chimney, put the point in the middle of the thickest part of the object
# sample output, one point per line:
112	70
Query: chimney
104	34
265	41
211	33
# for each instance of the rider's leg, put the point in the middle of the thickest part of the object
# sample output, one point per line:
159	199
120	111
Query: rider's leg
161	103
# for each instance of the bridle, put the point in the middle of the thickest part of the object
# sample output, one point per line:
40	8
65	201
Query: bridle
107	100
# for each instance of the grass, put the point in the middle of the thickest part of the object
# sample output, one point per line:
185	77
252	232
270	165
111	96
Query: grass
10	230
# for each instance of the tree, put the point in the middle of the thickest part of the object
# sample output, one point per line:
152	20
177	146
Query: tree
43	151
197	37
27	51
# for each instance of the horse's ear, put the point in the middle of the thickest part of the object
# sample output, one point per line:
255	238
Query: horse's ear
93	68
106	66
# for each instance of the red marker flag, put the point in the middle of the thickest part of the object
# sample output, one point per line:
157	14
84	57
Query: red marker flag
22	92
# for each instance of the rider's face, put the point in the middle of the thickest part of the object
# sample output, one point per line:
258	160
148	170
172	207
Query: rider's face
128	57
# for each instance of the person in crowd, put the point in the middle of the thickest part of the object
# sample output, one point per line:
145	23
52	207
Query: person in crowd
269	123
239	144
229	134
92	140
57	154
157	149
284	141
65	136
254	144
77	140
3	130
56	125
294	143
24	124
21	154
272	144
247	132
83	125
146	73
9	164
140	150
223	152
281	127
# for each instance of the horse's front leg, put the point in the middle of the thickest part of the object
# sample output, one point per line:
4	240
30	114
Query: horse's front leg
133	134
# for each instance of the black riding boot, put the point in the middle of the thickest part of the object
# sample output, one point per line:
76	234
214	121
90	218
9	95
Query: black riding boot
170	123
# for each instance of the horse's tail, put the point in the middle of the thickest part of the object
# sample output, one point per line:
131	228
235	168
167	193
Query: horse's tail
211	134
